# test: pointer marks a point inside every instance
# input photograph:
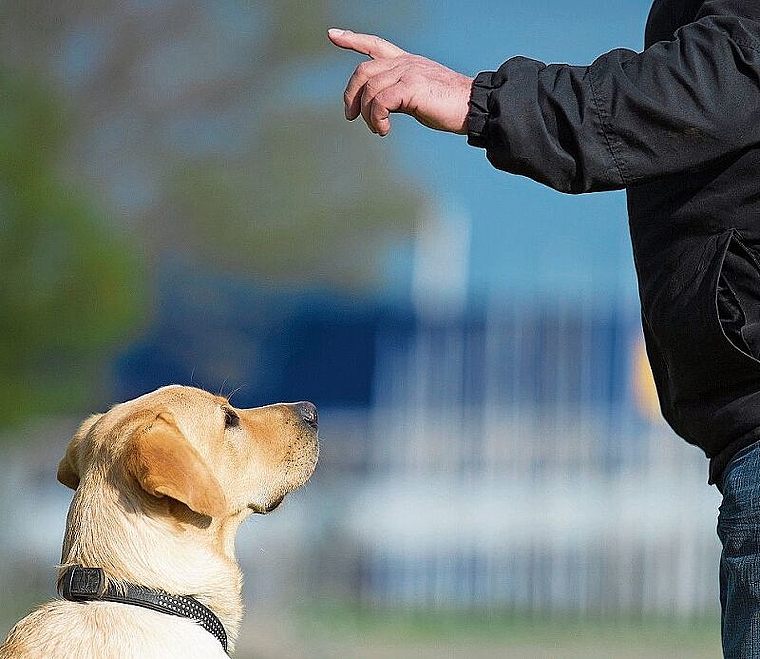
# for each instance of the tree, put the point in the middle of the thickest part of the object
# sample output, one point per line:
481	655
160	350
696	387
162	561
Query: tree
69	286
198	130
203	125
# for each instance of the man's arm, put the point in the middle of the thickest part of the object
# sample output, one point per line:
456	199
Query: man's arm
628	118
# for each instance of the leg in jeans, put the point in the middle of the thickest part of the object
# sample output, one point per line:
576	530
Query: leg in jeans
739	531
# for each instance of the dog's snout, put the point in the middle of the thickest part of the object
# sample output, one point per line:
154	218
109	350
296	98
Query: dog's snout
308	412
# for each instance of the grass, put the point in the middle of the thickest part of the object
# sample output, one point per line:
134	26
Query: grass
334	630
339	630
494	625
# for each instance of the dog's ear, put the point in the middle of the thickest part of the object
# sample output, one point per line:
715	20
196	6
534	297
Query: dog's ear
164	463
69	469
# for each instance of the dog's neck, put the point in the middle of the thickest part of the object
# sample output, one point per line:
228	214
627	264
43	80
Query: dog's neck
157	544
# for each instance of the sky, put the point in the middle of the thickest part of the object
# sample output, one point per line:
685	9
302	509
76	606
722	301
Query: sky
525	239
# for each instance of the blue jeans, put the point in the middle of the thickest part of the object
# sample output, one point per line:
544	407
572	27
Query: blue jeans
739	531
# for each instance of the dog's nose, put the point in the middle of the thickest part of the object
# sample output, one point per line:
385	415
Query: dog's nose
308	412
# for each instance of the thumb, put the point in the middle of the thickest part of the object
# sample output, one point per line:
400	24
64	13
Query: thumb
366	44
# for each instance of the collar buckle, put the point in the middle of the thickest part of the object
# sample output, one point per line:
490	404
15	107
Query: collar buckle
83	583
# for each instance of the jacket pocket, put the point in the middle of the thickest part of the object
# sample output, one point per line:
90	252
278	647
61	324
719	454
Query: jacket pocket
737	297
707	332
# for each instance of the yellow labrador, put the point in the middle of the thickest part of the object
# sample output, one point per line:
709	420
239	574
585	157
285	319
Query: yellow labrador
162	484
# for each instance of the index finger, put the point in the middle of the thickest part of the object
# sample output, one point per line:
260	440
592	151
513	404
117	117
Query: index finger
366	44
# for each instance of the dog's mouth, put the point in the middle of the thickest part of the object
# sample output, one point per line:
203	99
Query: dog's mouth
263	510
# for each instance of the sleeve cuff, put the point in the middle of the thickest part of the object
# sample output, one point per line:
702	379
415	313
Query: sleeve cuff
477	117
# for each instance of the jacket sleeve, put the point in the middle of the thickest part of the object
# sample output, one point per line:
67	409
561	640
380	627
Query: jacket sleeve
629	117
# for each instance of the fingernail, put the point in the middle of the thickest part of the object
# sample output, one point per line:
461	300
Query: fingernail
335	31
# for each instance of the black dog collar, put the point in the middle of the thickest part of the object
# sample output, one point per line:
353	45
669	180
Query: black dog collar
79	584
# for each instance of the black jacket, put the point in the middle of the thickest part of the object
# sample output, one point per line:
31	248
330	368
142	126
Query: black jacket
677	126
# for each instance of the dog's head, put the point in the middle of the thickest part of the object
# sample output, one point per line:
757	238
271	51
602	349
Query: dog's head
184	447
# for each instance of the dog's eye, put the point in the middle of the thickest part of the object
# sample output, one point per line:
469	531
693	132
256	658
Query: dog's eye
231	419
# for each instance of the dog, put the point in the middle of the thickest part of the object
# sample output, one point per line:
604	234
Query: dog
162	483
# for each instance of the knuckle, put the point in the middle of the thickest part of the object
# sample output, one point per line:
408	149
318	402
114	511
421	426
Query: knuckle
372	87
379	99
362	69
381	106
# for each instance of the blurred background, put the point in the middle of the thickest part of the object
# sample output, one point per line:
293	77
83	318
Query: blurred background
181	201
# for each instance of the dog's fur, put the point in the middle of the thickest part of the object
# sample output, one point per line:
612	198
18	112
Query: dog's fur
162	484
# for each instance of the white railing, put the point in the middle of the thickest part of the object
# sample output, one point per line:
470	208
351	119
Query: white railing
509	465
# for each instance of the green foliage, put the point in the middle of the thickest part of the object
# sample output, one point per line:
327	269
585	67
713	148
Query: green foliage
69	287
202	127
211	130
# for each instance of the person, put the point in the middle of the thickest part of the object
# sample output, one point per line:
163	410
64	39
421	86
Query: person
677	126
